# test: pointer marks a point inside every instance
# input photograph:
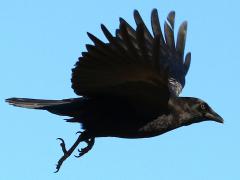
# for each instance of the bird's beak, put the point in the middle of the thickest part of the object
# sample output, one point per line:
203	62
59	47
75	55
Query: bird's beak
214	116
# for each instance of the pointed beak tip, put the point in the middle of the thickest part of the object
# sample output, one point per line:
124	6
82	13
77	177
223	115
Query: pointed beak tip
215	117
218	119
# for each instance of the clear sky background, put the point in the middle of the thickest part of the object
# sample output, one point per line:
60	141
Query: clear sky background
39	43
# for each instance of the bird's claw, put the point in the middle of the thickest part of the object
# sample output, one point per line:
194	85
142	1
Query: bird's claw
81	152
65	154
63	146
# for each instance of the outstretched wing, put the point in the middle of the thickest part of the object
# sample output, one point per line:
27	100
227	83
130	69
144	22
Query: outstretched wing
171	53
134	64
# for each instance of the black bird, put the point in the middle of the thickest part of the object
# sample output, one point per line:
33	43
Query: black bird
130	86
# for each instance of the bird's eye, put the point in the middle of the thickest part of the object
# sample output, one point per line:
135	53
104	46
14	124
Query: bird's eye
203	106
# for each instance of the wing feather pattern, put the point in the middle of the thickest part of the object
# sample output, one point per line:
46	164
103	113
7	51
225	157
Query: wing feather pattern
134	63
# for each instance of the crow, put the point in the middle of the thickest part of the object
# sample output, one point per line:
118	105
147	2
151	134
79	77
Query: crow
129	87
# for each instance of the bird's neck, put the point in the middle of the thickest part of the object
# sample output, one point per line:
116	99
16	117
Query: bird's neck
180	111
166	122
179	115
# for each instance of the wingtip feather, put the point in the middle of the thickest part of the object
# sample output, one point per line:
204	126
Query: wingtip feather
181	38
171	18
187	62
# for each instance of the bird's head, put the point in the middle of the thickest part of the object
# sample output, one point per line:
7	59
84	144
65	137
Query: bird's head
195	110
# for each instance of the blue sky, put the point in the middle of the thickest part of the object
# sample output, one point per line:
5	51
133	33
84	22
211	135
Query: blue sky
39	44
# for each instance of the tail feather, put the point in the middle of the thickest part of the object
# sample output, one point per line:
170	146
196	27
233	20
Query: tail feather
35	103
66	107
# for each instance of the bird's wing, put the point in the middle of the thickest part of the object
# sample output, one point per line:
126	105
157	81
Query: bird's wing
171	54
134	63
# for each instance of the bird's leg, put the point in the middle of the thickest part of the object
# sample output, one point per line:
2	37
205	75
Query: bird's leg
90	143
67	153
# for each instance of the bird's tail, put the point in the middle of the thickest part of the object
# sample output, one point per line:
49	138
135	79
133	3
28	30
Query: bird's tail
65	107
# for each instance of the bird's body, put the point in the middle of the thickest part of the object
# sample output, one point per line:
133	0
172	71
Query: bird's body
116	117
130	86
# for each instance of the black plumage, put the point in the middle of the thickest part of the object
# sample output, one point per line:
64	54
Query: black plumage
129	86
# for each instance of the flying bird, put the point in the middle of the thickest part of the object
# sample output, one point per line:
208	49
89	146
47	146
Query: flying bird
129	87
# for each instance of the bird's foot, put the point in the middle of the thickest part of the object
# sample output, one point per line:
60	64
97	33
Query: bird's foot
67	153
90	143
